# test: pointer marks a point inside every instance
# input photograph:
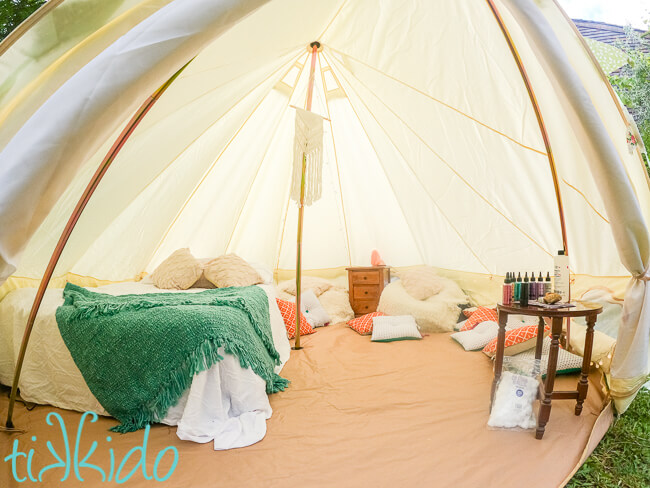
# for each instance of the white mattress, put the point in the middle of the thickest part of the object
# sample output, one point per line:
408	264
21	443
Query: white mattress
226	404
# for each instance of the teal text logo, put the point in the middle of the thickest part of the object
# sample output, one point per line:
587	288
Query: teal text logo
74	464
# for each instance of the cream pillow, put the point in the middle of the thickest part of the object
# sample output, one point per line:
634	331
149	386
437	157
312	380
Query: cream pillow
179	271
313	283
421	282
231	270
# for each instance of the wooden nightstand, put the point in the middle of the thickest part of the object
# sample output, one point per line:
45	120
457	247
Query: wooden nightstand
366	285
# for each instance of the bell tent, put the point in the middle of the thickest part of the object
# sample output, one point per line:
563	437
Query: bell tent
479	137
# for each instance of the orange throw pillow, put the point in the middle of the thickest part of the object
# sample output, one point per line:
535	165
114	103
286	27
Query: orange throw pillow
288	311
482	314
363	324
517	340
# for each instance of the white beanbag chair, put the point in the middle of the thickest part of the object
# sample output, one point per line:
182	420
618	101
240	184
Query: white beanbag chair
438	313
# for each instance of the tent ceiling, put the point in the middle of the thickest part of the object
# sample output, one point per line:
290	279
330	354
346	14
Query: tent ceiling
433	153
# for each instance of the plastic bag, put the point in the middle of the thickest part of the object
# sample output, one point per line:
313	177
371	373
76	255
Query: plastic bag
514	402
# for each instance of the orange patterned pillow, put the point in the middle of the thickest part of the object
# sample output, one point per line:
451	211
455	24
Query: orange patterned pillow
517	340
363	324
288	311
482	314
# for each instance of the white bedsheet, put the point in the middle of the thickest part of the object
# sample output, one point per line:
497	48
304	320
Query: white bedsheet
226	404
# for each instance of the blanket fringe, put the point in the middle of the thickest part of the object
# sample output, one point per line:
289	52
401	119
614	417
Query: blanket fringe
200	360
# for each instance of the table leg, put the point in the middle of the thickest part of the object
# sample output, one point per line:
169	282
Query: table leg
545	406
540	339
498	359
583	383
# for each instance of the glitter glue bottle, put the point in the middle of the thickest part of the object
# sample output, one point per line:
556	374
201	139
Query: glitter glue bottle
547	284
532	294
523	297
518	287
505	295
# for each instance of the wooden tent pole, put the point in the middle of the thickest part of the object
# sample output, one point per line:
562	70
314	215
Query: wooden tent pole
72	222
301	209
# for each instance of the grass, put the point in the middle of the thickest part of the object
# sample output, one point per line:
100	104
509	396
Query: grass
622	459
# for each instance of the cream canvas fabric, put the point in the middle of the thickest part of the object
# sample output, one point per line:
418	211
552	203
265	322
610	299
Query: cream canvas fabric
231	270
179	271
432	151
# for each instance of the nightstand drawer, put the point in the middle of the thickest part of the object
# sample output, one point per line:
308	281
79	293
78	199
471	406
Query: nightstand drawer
365	278
366	292
362	307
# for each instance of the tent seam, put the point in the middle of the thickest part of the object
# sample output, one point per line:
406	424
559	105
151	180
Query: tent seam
266	151
456	173
412	172
162	239
586	200
336	160
460	112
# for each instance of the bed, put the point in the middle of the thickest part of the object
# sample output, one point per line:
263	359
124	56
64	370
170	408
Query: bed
226	404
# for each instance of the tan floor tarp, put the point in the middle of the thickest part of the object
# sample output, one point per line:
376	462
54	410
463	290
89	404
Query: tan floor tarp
357	414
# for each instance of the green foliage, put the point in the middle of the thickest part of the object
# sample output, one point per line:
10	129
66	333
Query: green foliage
622	459
13	12
633	85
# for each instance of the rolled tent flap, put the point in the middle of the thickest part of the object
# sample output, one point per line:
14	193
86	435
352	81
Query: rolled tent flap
91	105
630	365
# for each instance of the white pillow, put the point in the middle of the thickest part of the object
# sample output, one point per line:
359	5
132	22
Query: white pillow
395	328
314	312
478	337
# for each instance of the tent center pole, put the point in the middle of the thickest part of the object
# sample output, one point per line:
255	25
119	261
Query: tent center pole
301	209
67	231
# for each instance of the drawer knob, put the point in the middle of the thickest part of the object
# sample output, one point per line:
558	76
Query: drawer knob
365	292
365	277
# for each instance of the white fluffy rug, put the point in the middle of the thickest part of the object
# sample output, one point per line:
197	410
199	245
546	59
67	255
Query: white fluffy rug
438	313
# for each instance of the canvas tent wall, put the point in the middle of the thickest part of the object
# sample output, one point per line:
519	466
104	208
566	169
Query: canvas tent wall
434	153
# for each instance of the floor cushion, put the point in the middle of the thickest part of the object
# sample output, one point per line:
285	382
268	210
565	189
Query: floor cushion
313	283
397	328
363	325
517	340
567	362
288	311
421	282
438	313
478	337
481	314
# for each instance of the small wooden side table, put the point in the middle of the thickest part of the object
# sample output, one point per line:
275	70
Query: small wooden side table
365	287
588	310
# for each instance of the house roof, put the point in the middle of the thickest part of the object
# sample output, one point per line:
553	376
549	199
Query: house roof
608	33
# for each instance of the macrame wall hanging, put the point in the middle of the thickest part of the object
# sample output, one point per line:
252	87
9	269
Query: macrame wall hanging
308	141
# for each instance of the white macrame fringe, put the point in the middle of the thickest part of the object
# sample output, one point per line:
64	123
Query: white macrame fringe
308	141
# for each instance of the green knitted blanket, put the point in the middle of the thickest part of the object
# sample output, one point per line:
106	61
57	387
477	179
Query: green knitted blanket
139	353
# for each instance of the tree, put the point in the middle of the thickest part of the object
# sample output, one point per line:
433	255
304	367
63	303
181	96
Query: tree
633	84
13	12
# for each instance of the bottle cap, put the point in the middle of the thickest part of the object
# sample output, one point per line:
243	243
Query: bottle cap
560	252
